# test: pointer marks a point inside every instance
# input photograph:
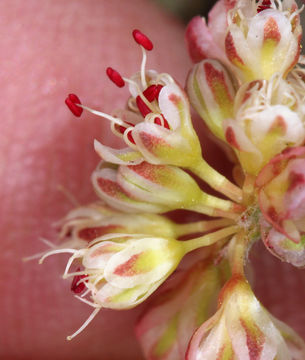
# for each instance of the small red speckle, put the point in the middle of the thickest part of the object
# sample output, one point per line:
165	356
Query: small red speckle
142	40
231	138
71	101
115	77
77	287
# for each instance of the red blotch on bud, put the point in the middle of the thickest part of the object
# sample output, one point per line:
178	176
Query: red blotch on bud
231	138
142	40
115	77
71	101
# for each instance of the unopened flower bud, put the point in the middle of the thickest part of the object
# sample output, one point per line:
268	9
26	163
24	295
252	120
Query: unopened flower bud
211	92
281	193
267	118
242	329
166	327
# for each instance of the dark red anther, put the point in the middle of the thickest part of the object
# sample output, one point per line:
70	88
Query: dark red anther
142	40
77	287
266	4
71	101
152	92
159	122
115	77
144	109
121	129
130	138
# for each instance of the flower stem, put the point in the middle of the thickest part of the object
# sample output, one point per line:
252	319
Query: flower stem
217	181
237	253
248	188
211	211
201	226
209	239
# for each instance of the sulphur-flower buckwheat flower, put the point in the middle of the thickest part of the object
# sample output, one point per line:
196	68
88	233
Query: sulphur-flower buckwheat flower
248	86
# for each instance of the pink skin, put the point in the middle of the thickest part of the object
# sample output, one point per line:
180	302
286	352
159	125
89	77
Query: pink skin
54	48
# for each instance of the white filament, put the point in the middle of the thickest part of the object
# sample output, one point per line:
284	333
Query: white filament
104	115
58	251
85	324
143	64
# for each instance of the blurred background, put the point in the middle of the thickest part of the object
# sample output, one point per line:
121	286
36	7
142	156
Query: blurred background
186	9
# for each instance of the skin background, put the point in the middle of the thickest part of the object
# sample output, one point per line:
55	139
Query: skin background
48	49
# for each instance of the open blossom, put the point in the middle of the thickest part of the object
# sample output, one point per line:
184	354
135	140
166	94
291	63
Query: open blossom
121	270
256	39
258	120
165	328
164	136
242	329
281	189
157	125
268	117
263	40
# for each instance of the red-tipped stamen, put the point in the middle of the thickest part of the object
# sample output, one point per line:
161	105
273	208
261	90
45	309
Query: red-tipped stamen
76	286
162	122
115	77
142	40
152	92
72	102
266	4
143	108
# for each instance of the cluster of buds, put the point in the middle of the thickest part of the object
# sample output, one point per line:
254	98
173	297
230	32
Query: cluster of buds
249	91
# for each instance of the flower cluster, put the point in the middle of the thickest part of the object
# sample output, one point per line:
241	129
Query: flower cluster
248	86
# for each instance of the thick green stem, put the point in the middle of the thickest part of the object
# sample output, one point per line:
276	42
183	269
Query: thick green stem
209	239
217	181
